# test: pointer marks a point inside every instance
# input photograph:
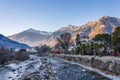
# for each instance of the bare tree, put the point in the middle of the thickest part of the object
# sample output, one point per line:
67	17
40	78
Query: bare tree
43	49
64	41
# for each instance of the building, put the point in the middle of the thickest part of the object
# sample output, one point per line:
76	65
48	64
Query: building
31	50
84	39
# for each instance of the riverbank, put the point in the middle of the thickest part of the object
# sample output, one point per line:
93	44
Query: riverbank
107	66
45	68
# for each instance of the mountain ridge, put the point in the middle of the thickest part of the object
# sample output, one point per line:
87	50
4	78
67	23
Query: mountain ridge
105	24
29	36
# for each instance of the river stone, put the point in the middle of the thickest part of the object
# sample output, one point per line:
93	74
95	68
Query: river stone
10	77
111	66
117	67
27	79
76	59
33	76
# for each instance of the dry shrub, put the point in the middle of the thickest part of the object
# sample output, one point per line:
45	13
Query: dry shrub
21	55
4	55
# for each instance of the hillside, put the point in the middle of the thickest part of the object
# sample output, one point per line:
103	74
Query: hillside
6	42
105	24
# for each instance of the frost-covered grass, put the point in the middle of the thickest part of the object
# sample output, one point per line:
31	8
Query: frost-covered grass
110	76
103	58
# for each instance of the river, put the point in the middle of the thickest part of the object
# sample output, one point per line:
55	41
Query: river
44	68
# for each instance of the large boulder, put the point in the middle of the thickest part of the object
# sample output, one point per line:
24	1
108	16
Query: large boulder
21	55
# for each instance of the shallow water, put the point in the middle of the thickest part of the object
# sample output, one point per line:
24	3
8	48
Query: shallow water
63	70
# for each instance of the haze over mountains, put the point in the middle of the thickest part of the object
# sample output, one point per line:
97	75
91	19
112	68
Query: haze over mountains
33	37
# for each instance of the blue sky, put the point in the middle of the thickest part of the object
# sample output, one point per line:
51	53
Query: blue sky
50	15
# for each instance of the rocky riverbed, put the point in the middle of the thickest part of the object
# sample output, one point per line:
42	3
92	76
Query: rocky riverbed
43	68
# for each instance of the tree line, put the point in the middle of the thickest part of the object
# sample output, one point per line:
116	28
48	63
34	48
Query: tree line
99	45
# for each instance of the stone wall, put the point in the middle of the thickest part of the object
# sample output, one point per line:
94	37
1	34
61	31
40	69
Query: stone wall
107	63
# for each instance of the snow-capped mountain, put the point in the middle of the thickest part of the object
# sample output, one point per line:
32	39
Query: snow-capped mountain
36	31
6	42
105	24
30	36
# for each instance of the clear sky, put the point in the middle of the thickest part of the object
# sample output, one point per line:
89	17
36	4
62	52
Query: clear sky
50	15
